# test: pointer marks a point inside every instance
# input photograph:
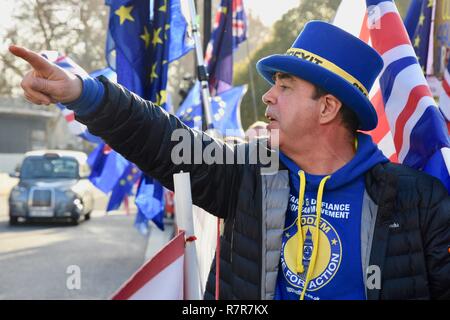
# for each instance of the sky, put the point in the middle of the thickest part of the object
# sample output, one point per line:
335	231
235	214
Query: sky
5	12
265	9
269	12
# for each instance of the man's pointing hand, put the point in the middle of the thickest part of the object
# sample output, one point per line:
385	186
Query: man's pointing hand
47	83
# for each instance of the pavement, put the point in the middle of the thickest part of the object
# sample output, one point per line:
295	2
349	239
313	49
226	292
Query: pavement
36	258
156	238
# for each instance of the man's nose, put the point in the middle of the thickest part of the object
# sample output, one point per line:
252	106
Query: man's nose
269	98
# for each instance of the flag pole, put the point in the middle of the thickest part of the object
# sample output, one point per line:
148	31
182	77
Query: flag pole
202	72
429	68
206	23
126	205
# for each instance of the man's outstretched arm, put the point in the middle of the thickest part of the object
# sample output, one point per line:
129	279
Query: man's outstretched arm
135	128
142	133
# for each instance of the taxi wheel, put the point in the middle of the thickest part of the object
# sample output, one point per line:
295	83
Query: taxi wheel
74	221
13	221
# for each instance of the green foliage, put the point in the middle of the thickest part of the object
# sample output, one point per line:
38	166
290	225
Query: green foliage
283	35
402	6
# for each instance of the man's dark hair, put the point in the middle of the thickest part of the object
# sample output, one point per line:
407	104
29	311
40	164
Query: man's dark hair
349	118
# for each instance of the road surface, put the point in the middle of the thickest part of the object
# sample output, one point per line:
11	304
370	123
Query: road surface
40	261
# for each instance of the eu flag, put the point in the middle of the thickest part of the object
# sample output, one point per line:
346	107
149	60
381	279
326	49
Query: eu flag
412	17
149	202
421	38
123	187
139	45
139	48
160	55
225	109
161	25
180	42
130	44
129	51
97	159
107	166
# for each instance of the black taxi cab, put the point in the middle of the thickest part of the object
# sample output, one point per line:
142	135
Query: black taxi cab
53	185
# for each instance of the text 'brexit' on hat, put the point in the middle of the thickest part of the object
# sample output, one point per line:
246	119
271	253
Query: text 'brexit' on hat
334	60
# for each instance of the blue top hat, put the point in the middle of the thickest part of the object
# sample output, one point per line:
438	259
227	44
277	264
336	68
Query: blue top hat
336	61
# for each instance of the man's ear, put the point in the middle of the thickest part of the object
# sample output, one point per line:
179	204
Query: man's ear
329	108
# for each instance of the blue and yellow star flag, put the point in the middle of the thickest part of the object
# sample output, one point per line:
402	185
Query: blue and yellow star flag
412	17
123	186
107	166
421	38
180	42
97	159
149	203
139	48
130	44
225	108
160	51
161	40
142	41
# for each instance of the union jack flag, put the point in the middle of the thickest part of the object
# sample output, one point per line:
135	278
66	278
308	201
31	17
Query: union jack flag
68	64
410	124
230	29
239	23
351	16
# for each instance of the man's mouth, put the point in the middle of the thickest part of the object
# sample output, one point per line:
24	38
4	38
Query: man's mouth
270	117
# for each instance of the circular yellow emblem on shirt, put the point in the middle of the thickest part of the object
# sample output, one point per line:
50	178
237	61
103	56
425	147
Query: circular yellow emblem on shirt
328	259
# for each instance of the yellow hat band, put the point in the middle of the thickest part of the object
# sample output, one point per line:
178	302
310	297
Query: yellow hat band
330	66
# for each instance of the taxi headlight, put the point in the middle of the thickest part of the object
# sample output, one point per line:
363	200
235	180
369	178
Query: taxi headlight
78	204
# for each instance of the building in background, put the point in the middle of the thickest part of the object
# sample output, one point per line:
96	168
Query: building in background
25	127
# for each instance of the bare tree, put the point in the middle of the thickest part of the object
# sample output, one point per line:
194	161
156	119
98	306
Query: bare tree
72	27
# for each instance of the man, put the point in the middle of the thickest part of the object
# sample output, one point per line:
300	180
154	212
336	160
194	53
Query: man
358	213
